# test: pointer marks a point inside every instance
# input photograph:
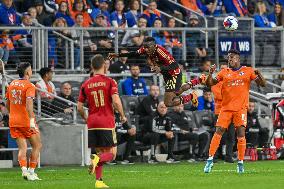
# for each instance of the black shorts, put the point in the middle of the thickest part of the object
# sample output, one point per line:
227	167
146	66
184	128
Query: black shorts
102	138
172	83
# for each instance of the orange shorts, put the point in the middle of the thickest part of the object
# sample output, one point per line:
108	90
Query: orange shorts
22	132
238	118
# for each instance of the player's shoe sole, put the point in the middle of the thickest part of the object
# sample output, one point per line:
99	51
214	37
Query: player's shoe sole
194	99
25	175
94	162
100	184
32	177
240	168
208	167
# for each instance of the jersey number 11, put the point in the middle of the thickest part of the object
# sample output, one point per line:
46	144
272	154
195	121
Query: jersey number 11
99	98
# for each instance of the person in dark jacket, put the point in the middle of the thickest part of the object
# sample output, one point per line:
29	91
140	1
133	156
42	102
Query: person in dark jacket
255	134
158	132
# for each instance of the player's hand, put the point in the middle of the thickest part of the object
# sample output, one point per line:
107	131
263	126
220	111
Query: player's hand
112	56
33	126
132	131
169	134
202	79
212	69
123	119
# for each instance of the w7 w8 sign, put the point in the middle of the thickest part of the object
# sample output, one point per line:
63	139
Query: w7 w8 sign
242	44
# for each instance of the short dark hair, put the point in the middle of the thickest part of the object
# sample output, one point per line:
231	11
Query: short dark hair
79	14
44	71
149	39
22	67
97	61
205	60
234	51
206	90
66	82
134	65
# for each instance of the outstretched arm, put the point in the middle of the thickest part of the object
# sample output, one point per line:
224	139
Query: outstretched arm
210	81
117	55
260	80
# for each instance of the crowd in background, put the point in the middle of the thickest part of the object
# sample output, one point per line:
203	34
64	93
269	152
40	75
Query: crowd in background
16	46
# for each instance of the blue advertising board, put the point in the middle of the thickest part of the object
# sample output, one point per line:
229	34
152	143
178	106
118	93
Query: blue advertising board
242	44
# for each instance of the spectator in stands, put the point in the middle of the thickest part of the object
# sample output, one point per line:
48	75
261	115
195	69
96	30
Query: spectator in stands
255	134
7	49
184	130
120	66
215	7
4	122
148	106
33	13
135	38
125	133
151	13
134	85
43	17
63	12
195	5
159	35
101	37
89	46
71	3
159	131
60	45
50	6
80	8
133	15
260	17
118	18
24	45
171	9
206	102
26	40
205	66
238	8
60	106
45	83
277	16
8	14
102	9
195	41
173	39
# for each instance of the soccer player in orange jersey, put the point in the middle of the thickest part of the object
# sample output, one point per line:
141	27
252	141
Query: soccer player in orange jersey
235	97
22	123
101	94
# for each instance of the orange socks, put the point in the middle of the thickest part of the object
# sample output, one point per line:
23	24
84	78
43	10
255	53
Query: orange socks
214	144
241	148
22	162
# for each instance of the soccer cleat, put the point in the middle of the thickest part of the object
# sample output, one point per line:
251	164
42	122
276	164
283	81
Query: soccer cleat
94	162
114	162
153	160
101	184
172	160
127	162
194	99
32	177
240	167
208	166
25	174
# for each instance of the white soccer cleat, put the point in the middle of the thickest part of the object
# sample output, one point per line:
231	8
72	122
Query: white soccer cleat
32	177
25	174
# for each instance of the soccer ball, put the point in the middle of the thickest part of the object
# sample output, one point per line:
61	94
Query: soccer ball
230	23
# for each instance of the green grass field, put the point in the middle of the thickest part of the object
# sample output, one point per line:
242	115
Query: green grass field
265	174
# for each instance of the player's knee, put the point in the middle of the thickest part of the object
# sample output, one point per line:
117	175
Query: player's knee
220	130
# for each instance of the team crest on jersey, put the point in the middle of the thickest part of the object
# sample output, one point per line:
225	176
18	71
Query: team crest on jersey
140	84
164	123
242	73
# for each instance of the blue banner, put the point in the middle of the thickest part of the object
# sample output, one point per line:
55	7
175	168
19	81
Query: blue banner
242	44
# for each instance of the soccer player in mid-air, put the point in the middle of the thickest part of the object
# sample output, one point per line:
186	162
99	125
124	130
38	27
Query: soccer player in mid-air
101	94
22	123
161	61
235	98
